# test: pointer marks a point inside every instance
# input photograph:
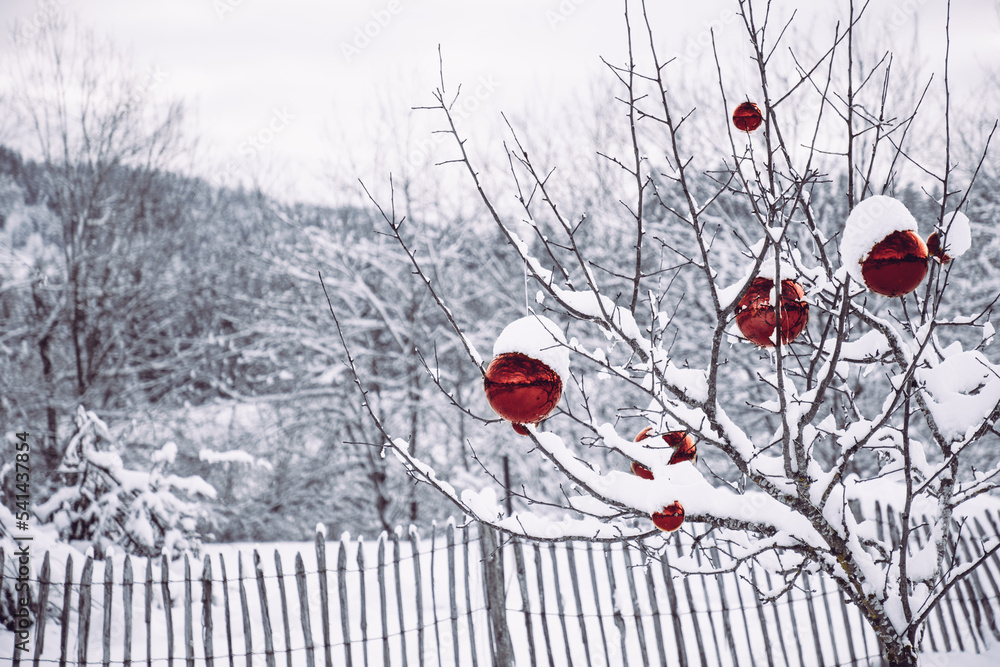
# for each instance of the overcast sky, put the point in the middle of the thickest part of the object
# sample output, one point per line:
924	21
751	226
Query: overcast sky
313	70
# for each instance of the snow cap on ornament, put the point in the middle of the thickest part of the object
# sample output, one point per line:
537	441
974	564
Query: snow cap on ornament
530	366
880	247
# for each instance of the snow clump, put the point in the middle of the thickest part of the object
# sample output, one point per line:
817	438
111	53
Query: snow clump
539	338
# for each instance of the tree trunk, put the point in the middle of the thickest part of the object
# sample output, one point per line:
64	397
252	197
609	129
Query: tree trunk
898	652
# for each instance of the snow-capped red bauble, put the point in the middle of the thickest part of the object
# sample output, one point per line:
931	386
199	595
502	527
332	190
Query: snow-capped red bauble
881	249
524	381
958	240
669	518
755	313
680	442
747	117
936	249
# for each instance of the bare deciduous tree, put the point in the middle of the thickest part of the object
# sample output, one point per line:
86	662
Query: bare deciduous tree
770	207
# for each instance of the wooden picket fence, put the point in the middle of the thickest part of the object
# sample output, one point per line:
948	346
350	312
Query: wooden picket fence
464	597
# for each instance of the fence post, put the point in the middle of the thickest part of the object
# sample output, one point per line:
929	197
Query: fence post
496	600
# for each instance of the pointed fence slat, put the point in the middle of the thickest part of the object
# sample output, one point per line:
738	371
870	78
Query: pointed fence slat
655	608
364	600
619	619
759	606
540	577
228	616
324	597
67	601
206	612
381	597
83	630
496	597
304	611
522	582
813	625
168	607
245	609
597	601
109	577
126	609
188	614
43	603
575	584
149	611
399	594
716	641
452	585
689	595
265	613
345	627
414	537
636	610
560	605
468	603
434	589
284	608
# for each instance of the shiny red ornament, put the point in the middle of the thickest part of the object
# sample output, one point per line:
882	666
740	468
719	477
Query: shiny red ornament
521	389
747	117
896	265
935	248
682	444
669	518
756	318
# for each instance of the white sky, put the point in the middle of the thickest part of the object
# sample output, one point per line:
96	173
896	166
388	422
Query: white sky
237	61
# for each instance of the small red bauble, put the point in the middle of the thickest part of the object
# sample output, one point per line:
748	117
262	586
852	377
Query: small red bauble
682	444
755	315
521	389
669	518
520	429
936	249
640	470
896	265
747	117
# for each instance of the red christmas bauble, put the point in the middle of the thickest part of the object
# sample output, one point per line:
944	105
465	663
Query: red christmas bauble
682	444
669	518
747	117
521	389
936	249
755	315
896	265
